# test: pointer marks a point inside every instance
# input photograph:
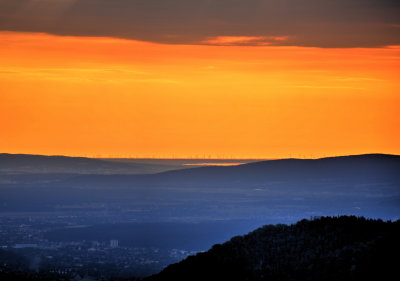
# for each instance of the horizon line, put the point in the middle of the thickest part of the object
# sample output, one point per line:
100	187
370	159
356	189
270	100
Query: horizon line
128	157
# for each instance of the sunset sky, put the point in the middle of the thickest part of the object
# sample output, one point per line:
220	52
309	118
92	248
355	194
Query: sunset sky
204	78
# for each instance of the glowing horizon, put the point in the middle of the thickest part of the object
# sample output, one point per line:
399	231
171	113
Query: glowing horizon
77	96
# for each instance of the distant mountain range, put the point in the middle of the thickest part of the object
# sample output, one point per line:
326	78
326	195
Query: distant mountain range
366	185
365	169
329	248
40	164
378	164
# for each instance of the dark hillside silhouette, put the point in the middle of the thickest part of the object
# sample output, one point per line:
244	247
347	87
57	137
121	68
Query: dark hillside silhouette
327	248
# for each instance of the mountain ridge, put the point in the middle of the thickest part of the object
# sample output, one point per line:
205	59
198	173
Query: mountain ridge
347	167
32	163
366	185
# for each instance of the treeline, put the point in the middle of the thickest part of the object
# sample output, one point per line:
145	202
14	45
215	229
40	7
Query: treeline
328	248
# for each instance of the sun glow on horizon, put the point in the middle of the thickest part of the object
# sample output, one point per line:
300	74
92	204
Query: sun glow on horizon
106	96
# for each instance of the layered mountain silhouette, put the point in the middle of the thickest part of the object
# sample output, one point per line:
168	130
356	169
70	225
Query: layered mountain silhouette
367	185
368	165
360	168
327	248
41	164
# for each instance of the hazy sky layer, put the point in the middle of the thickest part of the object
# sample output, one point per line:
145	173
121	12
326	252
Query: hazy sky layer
105	96
319	23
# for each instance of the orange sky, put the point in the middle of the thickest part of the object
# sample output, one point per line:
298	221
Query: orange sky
111	97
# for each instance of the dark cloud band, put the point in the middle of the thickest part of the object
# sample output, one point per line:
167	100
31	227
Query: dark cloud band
320	23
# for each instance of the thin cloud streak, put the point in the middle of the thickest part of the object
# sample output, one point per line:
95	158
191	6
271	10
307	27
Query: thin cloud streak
327	87
244	40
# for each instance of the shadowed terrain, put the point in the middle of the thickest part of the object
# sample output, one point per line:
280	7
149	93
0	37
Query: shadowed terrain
328	248
286	189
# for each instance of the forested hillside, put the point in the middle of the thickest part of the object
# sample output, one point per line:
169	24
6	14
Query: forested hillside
327	248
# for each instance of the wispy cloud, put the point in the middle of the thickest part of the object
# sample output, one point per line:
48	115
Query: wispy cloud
106	75
244	40
8	72
327	87
359	79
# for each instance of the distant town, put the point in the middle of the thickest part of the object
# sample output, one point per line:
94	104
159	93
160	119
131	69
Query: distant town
98	259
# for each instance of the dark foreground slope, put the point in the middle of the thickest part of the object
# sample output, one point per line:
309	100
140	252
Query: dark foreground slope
328	248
